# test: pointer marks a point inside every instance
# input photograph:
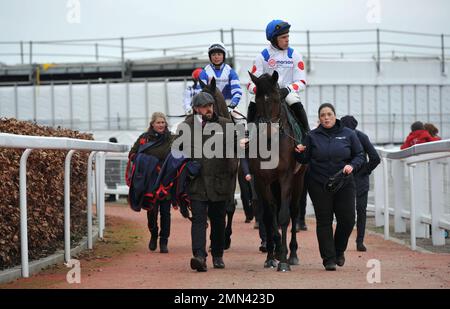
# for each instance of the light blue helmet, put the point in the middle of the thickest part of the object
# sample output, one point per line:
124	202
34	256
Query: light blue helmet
275	28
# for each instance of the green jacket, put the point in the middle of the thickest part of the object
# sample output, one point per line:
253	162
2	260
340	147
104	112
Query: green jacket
215	181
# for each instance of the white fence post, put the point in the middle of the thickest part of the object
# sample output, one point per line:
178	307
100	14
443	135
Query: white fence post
23	213
412	218
437	202
67	205
379	195
386	198
399	195
420	187
89	199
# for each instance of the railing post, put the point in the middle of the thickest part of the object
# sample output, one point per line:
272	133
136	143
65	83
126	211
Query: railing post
308	46
386	198
96	52
89	199
412	217
378	51
67	205
31	52
437	202
100	181
399	196
233	48
122	51
23	213
221	36
379	196
442	55
422	229
21	52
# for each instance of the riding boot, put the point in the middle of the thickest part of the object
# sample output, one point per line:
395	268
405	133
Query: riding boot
300	114
251	112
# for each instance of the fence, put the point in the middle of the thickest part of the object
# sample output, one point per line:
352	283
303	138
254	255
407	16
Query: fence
425	202
377	44
96	149
384	112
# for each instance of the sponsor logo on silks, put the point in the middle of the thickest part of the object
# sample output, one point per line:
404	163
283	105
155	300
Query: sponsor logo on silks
272	63
280	63
341	137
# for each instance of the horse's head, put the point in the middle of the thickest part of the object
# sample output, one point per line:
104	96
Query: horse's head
220	106
268	104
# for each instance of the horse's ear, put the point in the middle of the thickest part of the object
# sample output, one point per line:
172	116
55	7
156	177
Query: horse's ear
212	84
275	77
202	84
253	78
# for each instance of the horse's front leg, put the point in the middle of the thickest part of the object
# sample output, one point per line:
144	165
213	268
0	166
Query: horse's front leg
266	200
283	220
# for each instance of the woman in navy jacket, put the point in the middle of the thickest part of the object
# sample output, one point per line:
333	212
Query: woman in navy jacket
329	148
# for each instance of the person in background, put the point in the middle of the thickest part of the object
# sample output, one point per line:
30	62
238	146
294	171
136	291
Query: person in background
301	223
362	179
192	90
158	134
330	149
431	128
418	135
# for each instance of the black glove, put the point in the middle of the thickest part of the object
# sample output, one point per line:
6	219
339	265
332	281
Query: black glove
283	93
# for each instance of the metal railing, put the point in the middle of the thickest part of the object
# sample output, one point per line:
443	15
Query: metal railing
426	168
96	149
384	112
376	44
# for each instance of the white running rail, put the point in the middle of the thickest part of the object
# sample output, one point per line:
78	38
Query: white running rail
426	168
96	149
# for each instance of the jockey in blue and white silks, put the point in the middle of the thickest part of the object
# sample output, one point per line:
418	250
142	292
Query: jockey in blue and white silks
227	80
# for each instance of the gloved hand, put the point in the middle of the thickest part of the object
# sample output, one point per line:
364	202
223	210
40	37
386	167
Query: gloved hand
233	104
283	93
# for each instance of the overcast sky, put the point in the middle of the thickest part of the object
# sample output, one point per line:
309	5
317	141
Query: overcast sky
48	19
61	19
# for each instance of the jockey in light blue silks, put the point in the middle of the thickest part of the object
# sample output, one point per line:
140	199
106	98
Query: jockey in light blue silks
227	80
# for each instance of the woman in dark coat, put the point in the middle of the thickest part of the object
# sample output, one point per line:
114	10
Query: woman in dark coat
328	149
158	133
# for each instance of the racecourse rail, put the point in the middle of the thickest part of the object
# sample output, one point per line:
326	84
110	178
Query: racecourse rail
96	149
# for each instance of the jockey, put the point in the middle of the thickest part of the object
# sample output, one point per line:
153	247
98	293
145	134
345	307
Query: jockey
226	78
191	91
289	65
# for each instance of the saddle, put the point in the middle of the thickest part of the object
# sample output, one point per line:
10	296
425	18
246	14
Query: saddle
295	126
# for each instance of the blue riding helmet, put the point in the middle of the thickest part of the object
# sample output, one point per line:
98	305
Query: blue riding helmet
275	28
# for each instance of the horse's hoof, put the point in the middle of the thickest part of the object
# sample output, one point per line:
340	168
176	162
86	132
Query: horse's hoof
270	264
283	267
293	260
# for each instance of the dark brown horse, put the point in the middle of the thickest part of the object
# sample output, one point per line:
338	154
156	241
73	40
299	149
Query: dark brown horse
221	109
279	188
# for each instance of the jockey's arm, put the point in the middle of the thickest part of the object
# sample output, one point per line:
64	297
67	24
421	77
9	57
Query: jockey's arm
236	91
298	75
